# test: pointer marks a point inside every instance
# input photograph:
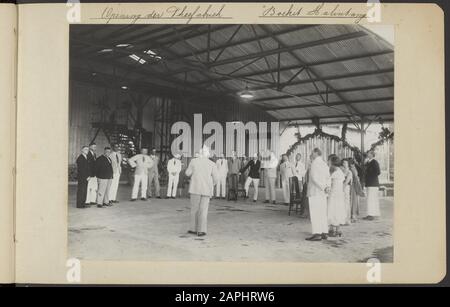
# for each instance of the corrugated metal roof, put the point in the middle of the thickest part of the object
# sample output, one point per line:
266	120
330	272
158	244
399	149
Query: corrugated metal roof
285	66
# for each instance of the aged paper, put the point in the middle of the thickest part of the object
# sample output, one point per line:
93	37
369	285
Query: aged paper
42	143
7	135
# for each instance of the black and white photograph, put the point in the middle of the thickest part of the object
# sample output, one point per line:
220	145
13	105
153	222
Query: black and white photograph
231	142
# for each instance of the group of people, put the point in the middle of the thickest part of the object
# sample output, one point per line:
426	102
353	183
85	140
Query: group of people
231	169
98	177
333	189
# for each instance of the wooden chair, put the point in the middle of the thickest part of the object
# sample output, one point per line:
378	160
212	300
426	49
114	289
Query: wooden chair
234	188
295	197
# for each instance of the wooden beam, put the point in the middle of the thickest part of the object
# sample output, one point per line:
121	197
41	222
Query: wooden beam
302	62
335	116
338	103
309	64
349	89
227	44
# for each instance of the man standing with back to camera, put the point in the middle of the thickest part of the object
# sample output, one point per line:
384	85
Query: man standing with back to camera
203	174
141	162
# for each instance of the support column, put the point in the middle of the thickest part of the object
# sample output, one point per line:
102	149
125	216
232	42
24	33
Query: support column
362	132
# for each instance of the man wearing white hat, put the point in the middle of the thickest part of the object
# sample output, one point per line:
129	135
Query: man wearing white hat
174	169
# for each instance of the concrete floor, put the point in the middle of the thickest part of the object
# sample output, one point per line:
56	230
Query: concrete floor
237	231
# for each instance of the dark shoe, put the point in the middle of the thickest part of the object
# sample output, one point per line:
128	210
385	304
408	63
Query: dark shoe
274	202
369	218
82	207
324	236
192	232
315	237
100	206
201	234
92	204
108	205
173	197
143	199
159	197
116	201
254	200
266	201
133	199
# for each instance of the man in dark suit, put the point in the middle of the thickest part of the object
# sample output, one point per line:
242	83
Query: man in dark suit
372	171
104	174
83	175
92	187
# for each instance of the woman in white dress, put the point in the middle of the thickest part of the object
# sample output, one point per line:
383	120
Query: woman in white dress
336	197
347	184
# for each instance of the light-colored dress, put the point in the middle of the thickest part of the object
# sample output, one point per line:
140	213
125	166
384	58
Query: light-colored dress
348	207
336	199
355	192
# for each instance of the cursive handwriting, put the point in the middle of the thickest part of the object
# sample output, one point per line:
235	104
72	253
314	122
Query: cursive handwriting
320	11
185	12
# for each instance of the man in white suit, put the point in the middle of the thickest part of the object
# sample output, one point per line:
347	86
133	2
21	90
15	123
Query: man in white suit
270	164
318	188
173	169
222	170
141	162
153	175
300	171
203	173
116	162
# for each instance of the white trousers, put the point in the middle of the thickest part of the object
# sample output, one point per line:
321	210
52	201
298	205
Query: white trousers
286	190
199	212
92	188
103	191
373	201
139	180
247	184
221	186
114	187
270	188
172	185
153	176
318	214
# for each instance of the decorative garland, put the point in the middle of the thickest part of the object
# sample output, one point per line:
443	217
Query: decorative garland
385	135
